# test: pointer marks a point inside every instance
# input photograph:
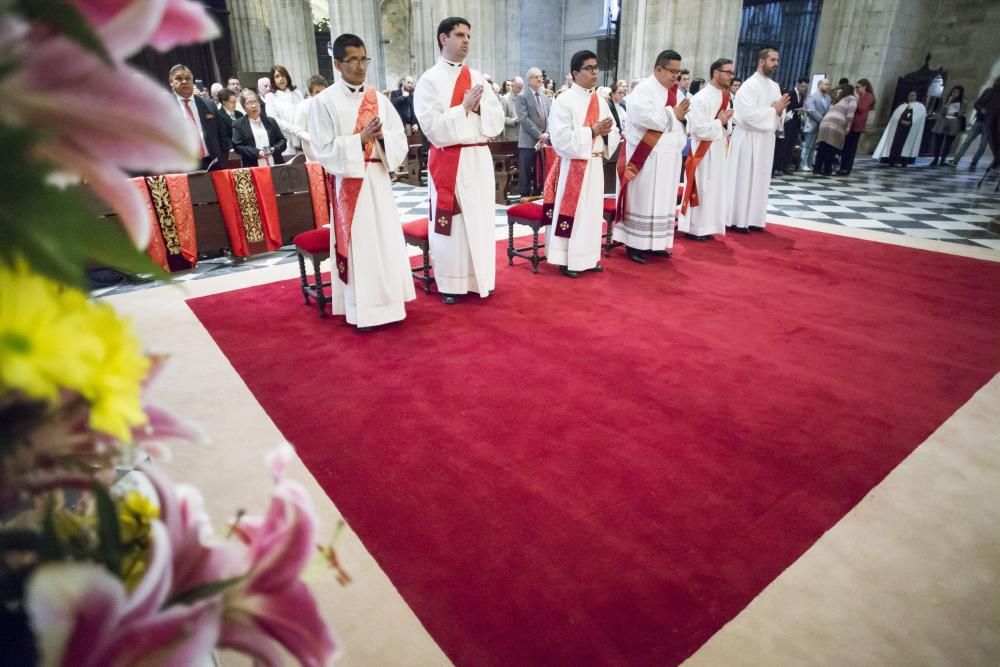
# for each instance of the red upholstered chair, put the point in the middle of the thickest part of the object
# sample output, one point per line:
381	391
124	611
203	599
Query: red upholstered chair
415	234
610	204
530	215
314	245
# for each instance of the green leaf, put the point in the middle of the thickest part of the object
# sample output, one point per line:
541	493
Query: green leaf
109	549
65	18
211	589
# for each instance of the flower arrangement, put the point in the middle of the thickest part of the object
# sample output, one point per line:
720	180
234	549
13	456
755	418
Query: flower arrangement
94	572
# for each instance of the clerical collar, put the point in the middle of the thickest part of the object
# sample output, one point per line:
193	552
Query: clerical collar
578	87
353	89
449	63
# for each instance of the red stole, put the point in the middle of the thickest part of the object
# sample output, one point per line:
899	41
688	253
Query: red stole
173	245
627	172
442	163
317	190
574	182
690	185
345	199
249	209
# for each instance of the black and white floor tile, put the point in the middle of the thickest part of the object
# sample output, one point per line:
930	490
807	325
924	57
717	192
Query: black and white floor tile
917	201
942	203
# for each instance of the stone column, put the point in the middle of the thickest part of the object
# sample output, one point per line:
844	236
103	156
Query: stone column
293	38
361	18
423	45
700	32
251	38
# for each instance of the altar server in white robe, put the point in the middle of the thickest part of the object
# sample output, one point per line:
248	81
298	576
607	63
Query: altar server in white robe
583	133
900	142
708	196
361	149
650	170
759	110
458	113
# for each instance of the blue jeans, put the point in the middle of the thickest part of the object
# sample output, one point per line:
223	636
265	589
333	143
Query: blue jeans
808	143
978	129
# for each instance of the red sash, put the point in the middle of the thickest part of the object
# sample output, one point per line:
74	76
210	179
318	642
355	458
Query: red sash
690	186
346	197
172	246
574	182
627	172
317	189
249	209
442	163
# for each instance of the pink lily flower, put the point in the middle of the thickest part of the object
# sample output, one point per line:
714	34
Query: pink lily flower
125	26
273	605
95	133
81	615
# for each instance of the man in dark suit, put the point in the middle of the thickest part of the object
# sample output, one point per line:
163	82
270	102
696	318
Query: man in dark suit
212	131
256	137
784	149
402	99
532	108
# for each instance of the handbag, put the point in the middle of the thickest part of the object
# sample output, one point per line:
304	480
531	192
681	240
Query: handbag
962	122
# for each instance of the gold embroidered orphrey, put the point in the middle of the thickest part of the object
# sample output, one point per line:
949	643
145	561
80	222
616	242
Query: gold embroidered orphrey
164	213
247	198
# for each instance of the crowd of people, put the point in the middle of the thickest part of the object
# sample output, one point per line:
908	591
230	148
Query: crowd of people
696	154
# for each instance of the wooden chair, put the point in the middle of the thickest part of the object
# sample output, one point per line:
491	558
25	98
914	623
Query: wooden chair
415	234
530	215
313	245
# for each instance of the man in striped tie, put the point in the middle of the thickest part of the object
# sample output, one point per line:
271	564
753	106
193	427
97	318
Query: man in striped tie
212	131
532	114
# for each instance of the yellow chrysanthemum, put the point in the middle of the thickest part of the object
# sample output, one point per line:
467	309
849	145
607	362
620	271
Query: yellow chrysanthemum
41	345
135	515
52	337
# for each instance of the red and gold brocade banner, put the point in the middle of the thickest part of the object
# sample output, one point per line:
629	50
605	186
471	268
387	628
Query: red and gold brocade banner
173	244
574	182
249	209
317	190
442	164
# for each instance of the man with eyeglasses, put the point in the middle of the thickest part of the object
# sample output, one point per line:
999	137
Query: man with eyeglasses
583	134
459	113
758	112
706	207
358	137
649	168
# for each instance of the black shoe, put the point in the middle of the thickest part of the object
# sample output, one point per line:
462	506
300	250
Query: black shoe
569	274
695	237
755	229
949	163
843	173
660	253
365	329
635	255
934	164
972	167
449	299
597	269
741	230
491	292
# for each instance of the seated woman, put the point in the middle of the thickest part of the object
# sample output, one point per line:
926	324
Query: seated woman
256	137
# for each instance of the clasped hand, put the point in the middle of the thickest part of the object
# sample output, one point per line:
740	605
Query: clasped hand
371	131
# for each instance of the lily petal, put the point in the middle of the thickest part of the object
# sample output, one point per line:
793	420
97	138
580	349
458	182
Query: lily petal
247	638
125	26
154	586
292	618
285	542
180	636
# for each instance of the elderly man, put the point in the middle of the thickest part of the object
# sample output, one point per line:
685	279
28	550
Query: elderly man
532	107
509	104
212	131
816	106
583	135
458	112
759	111
402	100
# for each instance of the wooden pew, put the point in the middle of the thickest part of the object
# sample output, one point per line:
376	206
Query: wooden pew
504	170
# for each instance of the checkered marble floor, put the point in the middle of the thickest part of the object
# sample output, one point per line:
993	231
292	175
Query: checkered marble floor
941	203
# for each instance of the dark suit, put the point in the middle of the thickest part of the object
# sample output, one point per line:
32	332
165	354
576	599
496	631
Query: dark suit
244	144
216	133
532	124
404	107
784	149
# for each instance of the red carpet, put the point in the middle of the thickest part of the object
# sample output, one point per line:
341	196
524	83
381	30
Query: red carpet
607	470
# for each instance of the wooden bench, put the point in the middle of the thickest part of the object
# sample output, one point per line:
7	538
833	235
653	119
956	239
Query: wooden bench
504	170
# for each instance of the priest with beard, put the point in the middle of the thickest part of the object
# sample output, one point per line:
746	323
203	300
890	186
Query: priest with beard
758	111
900	142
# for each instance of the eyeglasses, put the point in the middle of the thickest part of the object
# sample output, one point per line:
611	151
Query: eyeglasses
590	68
354	62
726	71
675	72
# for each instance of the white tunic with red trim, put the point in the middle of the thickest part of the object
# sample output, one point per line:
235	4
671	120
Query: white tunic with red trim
715	187
465	261
379	279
